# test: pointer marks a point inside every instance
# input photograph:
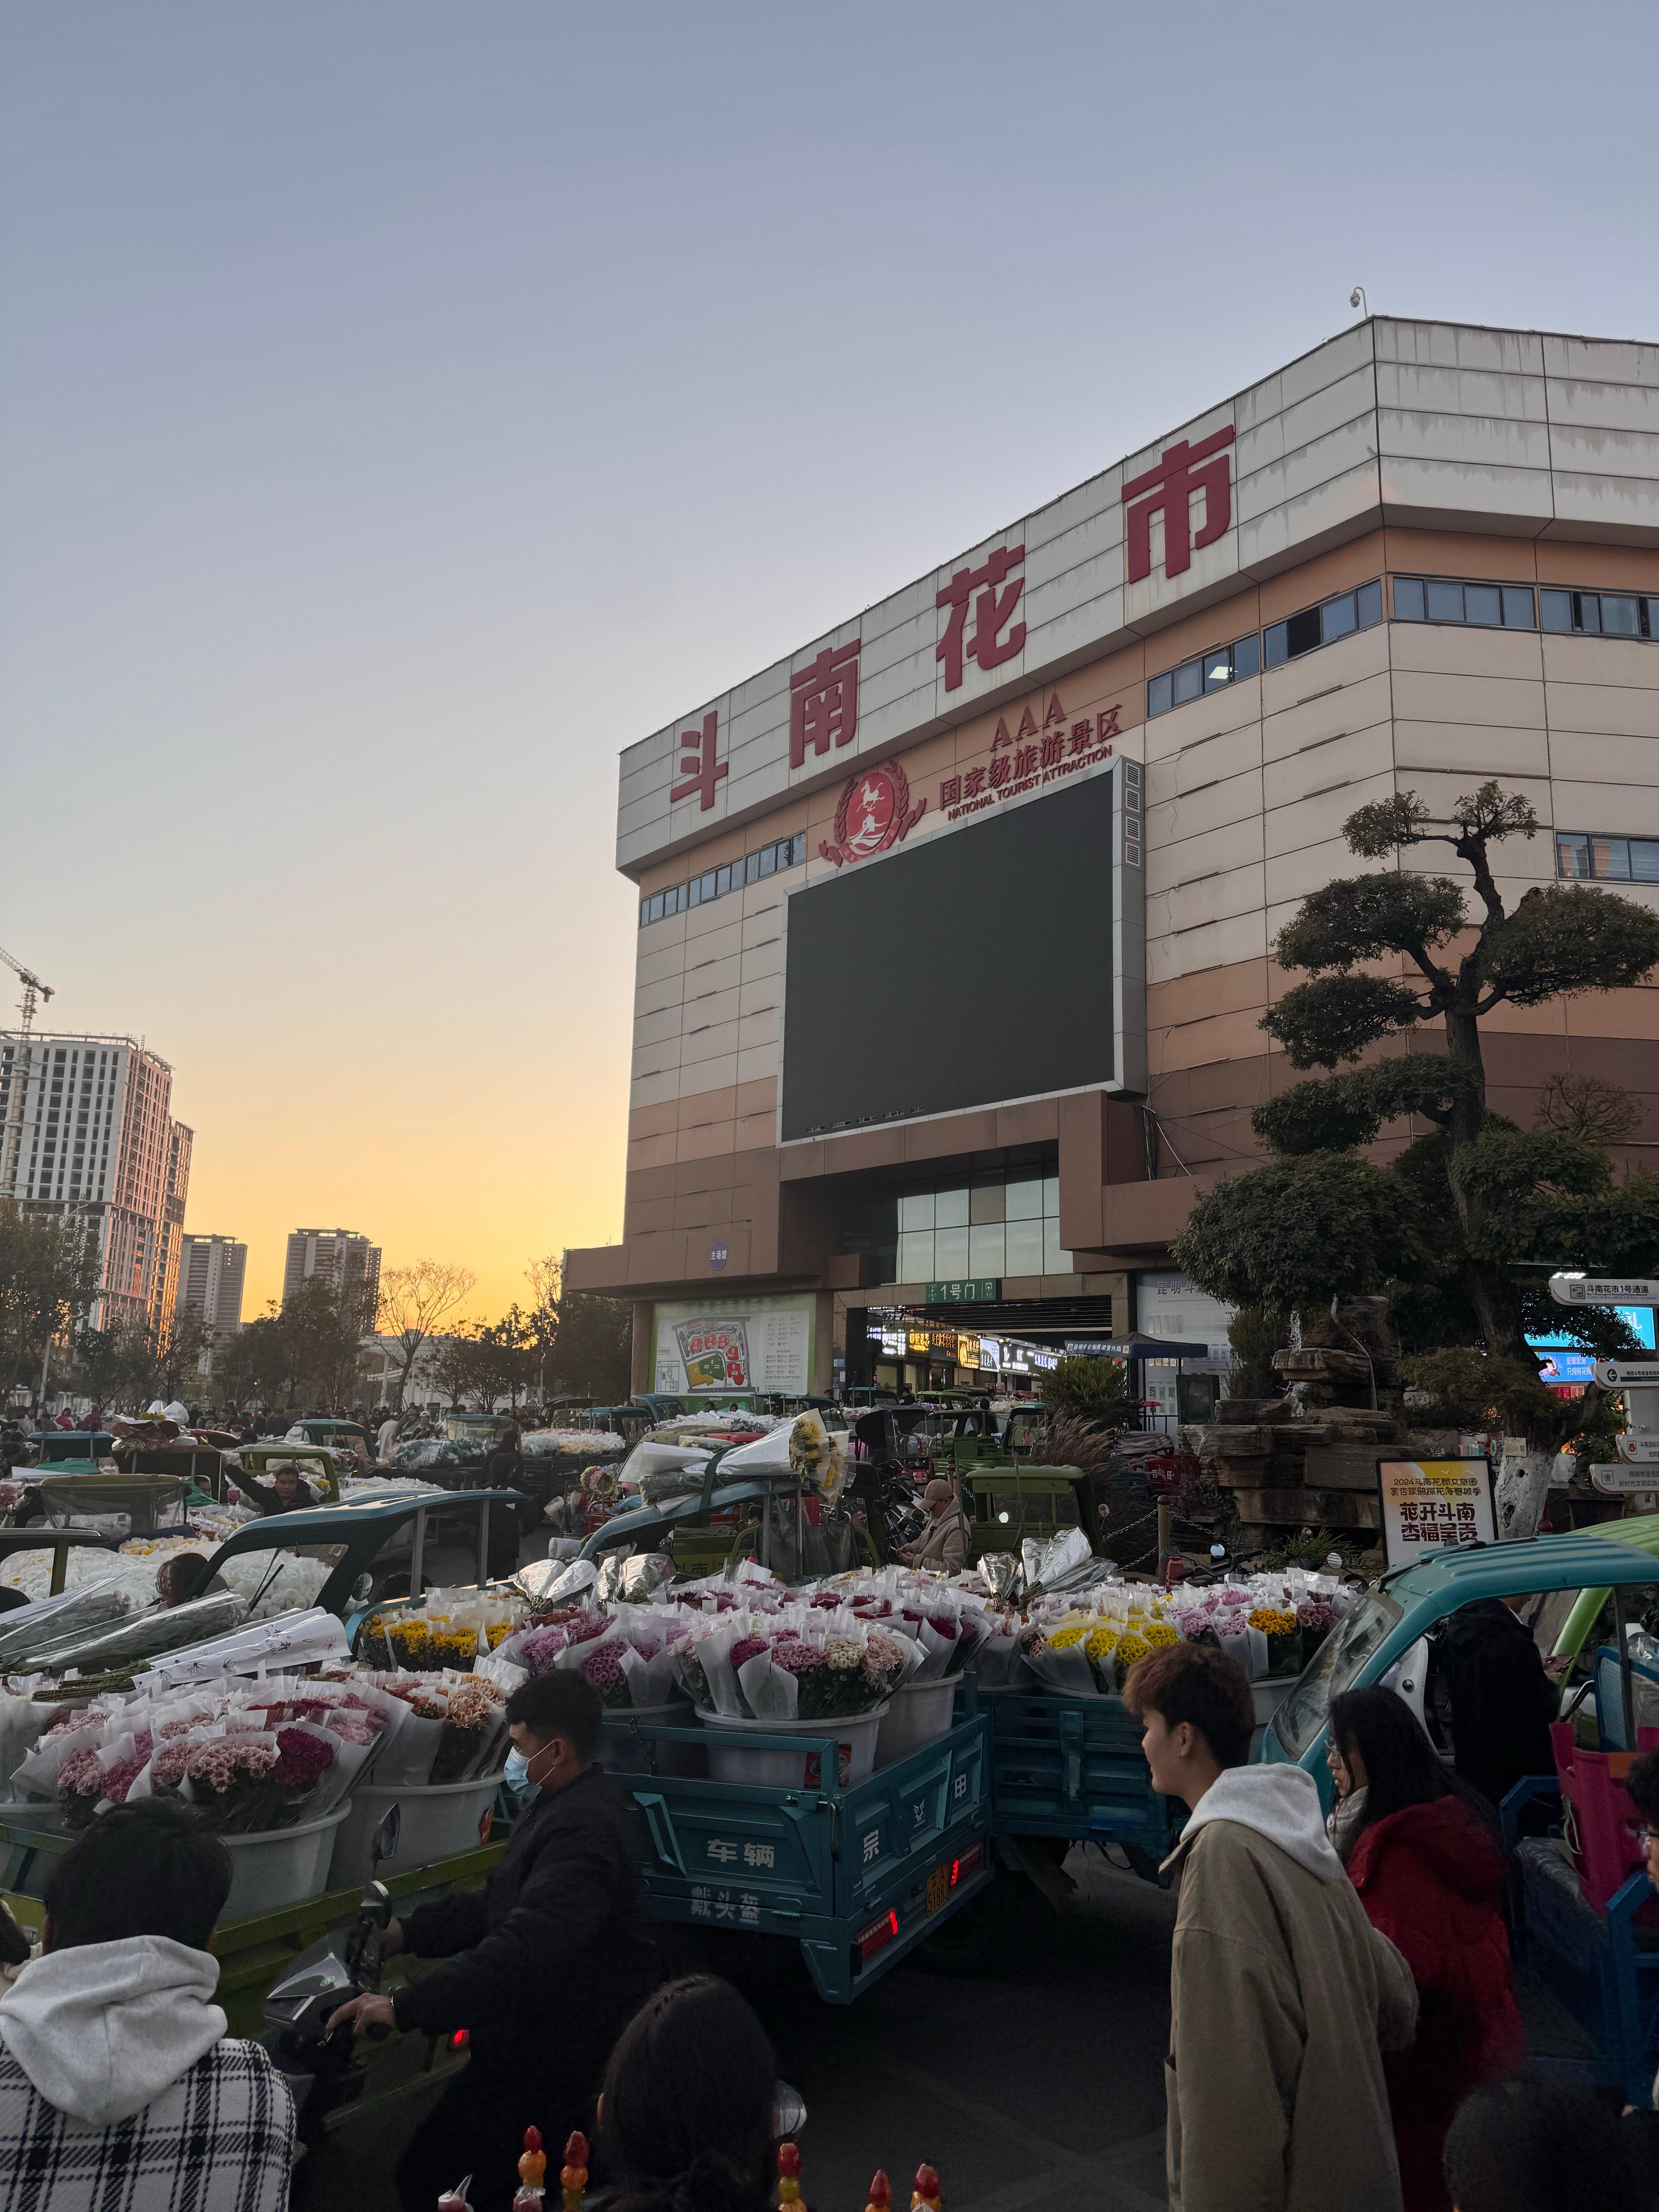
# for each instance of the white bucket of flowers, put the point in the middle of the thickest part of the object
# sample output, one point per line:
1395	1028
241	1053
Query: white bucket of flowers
436	1822
281	1866
769	1767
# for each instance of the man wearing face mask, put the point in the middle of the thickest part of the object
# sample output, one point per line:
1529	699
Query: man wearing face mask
544	1966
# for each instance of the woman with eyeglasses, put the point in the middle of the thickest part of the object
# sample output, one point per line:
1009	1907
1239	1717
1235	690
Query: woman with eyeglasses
1422	1850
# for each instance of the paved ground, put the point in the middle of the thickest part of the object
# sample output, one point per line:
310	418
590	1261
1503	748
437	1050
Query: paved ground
1037	2081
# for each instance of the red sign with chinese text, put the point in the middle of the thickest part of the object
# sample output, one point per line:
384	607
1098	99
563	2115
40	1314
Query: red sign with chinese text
991	610
1055	748
1167	489
824	703
698	765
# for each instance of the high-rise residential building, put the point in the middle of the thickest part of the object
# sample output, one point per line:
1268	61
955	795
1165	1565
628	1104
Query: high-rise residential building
210	1275
180	1142
340	1254
97	1139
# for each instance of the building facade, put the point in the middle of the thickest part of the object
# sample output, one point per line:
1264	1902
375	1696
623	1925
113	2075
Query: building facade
340	1254
955	926
98	1139
212	1272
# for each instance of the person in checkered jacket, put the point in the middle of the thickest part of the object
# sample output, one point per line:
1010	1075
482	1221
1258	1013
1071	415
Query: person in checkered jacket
119	2091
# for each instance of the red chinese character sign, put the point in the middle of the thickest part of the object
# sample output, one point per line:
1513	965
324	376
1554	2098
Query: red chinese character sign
698	766
1167	489
824	703
875	812
992	611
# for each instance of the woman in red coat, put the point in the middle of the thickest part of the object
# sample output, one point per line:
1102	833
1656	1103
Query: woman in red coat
1424	1857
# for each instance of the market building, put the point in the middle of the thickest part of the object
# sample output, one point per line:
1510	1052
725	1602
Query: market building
955	925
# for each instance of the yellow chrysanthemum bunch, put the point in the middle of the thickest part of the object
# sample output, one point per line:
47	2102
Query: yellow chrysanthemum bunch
1271	1621
1159	1633
1063	1638
1102	1642
1130	1647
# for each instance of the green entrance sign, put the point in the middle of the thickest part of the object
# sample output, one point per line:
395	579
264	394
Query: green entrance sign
969	1290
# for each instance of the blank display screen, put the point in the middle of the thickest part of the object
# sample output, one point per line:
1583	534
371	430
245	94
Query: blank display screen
976	968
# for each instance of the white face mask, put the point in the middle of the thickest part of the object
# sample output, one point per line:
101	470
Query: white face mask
517	1773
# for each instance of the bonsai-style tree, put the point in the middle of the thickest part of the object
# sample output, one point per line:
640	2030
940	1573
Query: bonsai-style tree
1468	1222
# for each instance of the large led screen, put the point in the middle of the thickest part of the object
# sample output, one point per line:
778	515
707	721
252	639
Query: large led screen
974	967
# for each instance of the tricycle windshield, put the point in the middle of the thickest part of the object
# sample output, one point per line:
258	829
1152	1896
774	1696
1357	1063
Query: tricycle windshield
1334	1667
280	1578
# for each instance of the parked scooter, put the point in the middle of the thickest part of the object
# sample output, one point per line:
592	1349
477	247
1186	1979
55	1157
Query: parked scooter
323	2071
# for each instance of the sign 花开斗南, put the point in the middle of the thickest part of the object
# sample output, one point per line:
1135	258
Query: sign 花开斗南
965	1290
1429	1501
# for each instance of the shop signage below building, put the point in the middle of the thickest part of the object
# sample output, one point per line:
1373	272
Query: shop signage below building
968	1289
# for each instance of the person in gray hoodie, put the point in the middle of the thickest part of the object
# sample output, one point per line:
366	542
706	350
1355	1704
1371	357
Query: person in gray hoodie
117	2087
1283	1995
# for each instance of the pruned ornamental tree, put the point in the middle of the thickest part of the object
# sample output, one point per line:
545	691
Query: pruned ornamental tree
1466	1222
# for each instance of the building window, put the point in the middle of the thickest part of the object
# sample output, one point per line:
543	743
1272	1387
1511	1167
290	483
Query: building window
1211	672
716	882
1321	625
990	1229
1600	614
1442	599
1607	859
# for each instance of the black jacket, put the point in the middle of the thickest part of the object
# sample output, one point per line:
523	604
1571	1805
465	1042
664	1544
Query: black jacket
553	1951
1502	1701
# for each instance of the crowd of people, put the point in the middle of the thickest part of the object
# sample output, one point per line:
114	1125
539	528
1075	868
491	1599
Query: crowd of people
1344	2031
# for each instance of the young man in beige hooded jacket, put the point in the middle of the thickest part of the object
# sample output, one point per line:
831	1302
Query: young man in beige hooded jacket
1283	1995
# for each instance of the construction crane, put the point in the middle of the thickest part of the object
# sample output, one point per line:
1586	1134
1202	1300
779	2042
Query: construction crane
19	1071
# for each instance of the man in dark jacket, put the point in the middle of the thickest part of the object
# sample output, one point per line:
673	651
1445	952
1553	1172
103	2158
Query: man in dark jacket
1501	1696
543	1967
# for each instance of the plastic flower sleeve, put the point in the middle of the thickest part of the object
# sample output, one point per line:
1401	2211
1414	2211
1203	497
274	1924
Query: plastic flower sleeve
770	1692
549	1583
642	1577
408	1756
505	1674
38	1769
1066	1670
93	1605
1003	1577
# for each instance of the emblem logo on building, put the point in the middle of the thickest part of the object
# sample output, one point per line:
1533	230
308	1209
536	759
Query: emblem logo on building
875	812
1167	489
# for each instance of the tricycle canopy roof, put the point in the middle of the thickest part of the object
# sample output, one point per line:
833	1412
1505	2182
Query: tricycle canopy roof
1458	1576
364	1526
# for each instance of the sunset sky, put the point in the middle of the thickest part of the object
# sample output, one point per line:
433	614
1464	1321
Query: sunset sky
404	407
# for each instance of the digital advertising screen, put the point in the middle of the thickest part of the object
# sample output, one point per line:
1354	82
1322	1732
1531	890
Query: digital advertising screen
974	967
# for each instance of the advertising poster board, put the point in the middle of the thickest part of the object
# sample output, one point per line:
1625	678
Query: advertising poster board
716	1346
1429	1501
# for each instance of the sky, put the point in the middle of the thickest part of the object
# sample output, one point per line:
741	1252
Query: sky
403	407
